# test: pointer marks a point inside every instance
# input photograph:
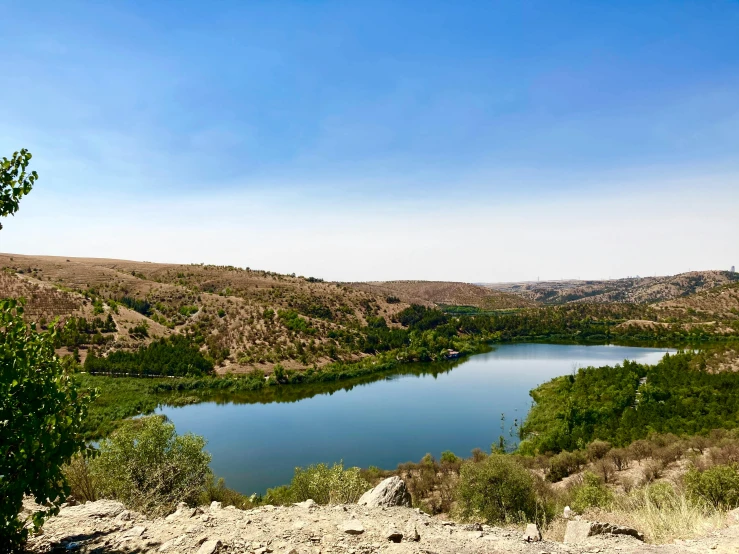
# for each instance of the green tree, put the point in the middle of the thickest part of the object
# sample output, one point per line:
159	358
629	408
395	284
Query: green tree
41	417
15	182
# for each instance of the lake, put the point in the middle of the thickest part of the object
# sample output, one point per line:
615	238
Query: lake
396	418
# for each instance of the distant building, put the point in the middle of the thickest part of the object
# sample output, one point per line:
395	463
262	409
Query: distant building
732	269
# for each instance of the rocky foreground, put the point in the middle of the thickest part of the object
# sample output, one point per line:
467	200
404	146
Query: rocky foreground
306	528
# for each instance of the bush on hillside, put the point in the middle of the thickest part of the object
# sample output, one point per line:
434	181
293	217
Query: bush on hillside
718	486
598	449
591	492
564	464
150	468
323	484
498	490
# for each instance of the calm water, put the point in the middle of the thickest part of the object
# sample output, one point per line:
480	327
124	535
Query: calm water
395	419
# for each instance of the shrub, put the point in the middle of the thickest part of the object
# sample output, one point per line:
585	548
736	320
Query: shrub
323	484
83	485
669	453
597	450
726	454
564	464
498	490
449	457
719	486
620	457
640	449
653	470
41	421
150	468
591	492
605	468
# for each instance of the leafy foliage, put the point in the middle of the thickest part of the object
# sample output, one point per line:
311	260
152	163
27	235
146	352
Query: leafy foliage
15	182
591	492
41	419
718	486
499	490
323	484
150	468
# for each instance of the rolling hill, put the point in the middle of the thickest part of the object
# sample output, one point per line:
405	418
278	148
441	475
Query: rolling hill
442	293
244	318
638	290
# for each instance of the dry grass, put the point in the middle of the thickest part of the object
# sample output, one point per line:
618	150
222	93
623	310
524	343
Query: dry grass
670	517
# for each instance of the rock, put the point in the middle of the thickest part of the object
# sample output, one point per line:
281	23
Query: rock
390	492
209	547
125	515
135	531
411	533
579	530
732	517
215	505
532	533
310	503
393	535
99	509
351	527
567	512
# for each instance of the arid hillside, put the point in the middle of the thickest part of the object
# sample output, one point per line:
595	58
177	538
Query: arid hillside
245	318
638	290
445	293
721	301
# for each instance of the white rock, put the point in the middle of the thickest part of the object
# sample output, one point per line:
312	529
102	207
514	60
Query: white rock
532	533
390	492
351	527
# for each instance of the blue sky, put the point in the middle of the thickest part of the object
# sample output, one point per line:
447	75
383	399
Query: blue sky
371	140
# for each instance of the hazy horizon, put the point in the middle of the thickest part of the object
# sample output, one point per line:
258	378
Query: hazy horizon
379	141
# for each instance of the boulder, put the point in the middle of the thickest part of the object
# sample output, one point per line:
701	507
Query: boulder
390	492
532	533
577	531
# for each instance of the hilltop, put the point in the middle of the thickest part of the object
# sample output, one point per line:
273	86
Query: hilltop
245	318
637	290
443	293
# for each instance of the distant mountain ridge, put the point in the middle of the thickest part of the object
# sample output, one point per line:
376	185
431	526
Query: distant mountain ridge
445	293
637	290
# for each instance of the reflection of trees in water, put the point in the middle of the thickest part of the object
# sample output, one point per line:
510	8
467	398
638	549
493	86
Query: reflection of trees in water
297	392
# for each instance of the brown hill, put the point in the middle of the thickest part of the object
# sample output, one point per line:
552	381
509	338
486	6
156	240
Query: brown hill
639	290
444	293
245	318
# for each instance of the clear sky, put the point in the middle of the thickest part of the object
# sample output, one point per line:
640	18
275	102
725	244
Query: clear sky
474	141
